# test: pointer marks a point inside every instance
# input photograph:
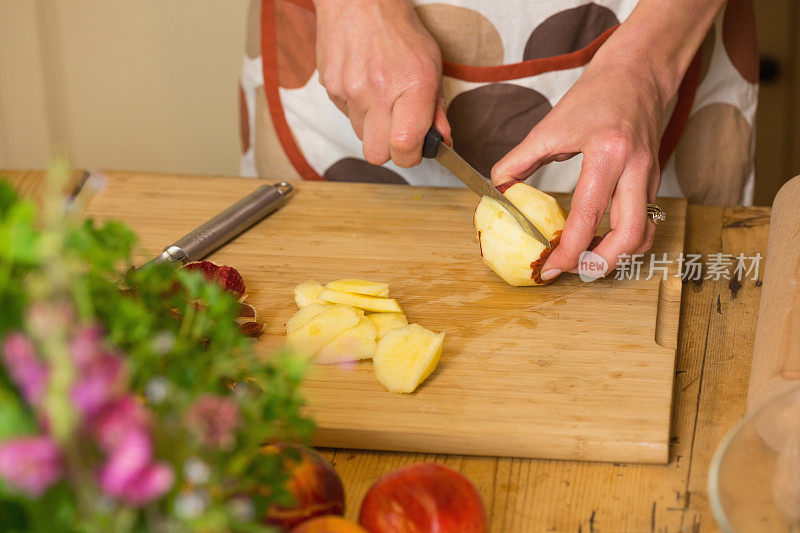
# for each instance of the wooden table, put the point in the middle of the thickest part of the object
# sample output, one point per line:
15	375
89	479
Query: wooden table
717	329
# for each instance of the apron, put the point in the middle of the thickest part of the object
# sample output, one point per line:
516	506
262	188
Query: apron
505	65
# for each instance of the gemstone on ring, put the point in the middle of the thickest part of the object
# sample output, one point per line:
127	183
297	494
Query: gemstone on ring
656	214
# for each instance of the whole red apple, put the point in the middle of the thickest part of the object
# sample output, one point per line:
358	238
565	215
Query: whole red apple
328	524
315	485
423	498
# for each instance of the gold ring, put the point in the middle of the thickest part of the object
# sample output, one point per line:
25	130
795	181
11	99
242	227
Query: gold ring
656	214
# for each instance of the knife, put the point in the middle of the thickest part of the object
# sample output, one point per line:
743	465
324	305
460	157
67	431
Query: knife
435	148
226	225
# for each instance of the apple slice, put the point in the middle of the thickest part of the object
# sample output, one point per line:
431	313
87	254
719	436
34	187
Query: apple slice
386	322
353	345
305	314
406	356
309	338
511	253
360	286
367	303
307	293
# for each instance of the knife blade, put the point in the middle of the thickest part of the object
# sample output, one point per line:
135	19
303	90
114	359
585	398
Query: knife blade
435	148
226	225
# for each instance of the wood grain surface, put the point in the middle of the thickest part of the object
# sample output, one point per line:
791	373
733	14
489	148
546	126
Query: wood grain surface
32	184
567	371
715	343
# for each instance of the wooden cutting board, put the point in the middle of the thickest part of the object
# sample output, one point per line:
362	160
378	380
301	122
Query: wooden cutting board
572	370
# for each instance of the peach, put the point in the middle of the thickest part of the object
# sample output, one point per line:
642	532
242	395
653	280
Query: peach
422	498
328	524
313	482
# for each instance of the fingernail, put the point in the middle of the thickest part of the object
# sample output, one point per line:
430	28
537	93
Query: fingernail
551	273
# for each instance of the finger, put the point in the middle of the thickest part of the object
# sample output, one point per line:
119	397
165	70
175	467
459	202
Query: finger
340	103
412	116
650	231
356	114
440	121
649	237
589	203
628	232
597	239
377	126
539	147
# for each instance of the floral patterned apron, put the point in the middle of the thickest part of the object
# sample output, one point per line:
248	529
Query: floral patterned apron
505	65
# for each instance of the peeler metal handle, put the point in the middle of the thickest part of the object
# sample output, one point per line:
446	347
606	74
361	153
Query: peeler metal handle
226	225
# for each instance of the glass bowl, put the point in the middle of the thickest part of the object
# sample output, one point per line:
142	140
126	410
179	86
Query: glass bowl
754	480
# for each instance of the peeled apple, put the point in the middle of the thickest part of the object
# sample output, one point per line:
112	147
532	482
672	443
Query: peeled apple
511	253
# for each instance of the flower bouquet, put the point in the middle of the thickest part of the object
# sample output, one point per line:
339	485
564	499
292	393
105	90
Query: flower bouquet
130	399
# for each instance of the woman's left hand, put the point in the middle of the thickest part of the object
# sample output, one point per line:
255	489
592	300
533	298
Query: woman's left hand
613	116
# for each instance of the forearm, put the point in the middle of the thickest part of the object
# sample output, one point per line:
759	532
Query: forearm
333	4
662	36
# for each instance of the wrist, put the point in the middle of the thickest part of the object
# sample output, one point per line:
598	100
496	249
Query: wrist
649	70
660	39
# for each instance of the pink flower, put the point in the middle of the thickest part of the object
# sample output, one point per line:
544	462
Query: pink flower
86	345
151	483
31	464
214	420
130	473
101	373
25	368
117	419
98	384
132	455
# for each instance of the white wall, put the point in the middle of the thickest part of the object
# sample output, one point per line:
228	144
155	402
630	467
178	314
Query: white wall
148	85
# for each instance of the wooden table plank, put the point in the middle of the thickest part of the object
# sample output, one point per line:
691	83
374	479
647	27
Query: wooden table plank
31	183
714	350
729	348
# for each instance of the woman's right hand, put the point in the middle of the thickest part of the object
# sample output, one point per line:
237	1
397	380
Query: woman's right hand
383	70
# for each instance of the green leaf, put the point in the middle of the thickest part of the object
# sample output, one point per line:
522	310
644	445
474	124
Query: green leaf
55	511
15	418
7	195
18	239
12	303
13	514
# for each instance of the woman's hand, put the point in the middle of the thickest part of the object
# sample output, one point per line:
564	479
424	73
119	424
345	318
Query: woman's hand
612	115
384	71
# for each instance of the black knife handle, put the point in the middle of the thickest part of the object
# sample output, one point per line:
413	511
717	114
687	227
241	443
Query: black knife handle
431	144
